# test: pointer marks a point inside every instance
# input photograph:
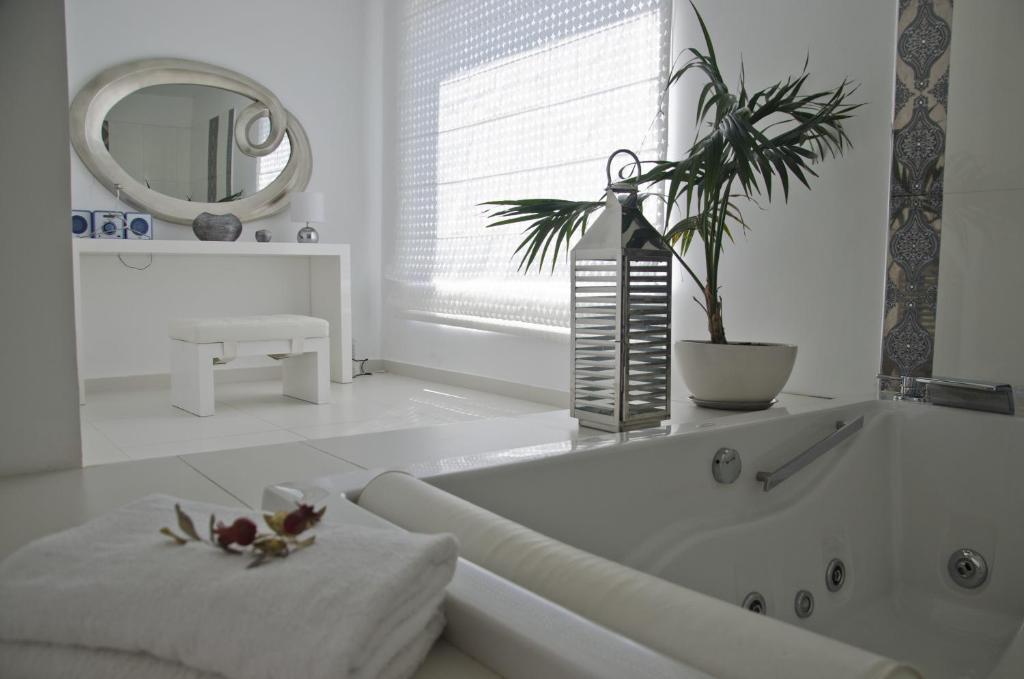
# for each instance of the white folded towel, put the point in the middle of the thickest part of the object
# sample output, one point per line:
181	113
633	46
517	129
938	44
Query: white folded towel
22	660
26	660
360	603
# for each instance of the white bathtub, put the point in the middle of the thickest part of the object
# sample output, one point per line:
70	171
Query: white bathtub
892	503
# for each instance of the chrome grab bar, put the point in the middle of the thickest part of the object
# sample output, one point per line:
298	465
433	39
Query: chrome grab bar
843	431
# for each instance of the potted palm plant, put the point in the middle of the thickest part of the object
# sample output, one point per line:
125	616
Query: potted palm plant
749	144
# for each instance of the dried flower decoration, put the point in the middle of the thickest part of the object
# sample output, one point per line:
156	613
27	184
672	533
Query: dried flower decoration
286	527
242	533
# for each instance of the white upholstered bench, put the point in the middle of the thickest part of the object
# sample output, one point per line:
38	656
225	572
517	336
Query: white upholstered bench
300	342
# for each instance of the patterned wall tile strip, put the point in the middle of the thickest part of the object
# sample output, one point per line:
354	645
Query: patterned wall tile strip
924	32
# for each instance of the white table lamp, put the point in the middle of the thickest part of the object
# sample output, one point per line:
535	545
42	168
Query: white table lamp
307	207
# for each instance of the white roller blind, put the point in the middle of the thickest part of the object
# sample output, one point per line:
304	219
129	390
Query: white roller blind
504	99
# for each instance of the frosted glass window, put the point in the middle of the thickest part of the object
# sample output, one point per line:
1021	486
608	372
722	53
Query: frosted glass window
505	99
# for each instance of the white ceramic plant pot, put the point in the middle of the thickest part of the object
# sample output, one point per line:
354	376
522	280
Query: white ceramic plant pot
742	375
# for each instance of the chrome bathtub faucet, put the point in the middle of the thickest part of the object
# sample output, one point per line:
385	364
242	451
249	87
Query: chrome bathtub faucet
954	392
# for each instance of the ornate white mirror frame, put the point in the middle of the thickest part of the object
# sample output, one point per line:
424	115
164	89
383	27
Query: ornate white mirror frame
95	100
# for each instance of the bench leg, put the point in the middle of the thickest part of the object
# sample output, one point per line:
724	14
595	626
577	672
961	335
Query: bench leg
192	376
307	376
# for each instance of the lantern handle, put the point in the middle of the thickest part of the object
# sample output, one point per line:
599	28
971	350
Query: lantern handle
618	186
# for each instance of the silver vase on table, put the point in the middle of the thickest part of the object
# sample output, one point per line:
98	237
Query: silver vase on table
226	227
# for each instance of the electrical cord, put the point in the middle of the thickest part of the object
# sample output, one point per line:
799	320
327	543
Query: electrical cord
362	367
361	361
124	226
136	268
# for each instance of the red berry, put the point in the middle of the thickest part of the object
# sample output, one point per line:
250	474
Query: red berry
301	518
245	532
294	523
241	532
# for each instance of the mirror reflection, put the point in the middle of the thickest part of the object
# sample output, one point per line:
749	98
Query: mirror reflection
179	140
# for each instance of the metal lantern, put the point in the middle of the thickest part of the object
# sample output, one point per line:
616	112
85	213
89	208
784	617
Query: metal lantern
621	281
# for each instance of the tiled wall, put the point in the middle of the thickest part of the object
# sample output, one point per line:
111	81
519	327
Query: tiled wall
924	32
980	319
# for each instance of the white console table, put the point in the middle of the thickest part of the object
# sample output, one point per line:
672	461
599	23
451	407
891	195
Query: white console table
330	294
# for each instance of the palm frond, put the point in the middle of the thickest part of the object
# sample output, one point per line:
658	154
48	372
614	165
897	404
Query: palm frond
550	221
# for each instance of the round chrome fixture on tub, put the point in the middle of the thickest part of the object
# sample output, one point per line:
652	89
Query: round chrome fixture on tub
835	575
755	603
726	465
967	568
803	604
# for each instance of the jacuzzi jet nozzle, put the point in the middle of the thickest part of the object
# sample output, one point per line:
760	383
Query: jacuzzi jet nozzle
755	603
835	575
967	568
803	604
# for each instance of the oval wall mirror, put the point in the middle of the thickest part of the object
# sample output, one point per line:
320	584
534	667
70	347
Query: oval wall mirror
179	137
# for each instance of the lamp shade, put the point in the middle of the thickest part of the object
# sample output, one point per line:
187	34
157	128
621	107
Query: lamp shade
307	206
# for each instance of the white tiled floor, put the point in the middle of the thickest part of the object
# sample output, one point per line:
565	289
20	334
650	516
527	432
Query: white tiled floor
137	424
245	472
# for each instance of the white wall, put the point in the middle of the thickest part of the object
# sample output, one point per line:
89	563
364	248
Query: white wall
832	237
39	427
811	272
980	320
311	56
